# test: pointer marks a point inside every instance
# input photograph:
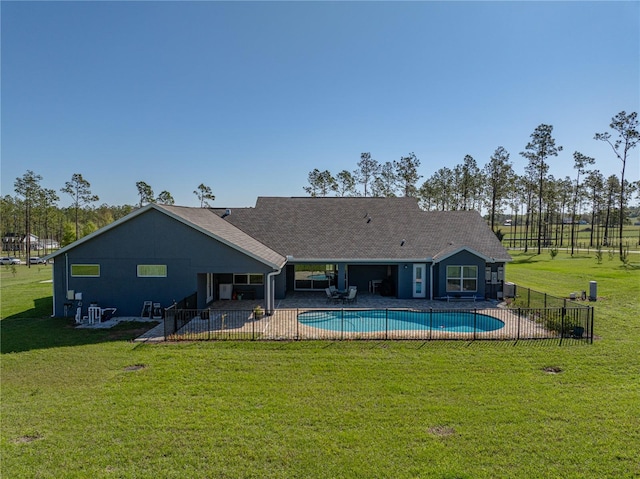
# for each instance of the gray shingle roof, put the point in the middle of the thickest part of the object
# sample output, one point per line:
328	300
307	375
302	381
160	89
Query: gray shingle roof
337	228
210	223
350	229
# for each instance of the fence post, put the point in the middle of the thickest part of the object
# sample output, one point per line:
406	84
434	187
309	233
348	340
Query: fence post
562	328
297	324
528	298
475	323
592	315
518	329
386	323
342	324
545	300
175	322
430	324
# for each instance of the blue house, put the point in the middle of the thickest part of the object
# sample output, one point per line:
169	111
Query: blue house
383	246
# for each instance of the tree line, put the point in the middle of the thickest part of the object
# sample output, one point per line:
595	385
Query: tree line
535	199
34	212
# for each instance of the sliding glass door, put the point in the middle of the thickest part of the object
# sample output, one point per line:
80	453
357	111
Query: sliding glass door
314	277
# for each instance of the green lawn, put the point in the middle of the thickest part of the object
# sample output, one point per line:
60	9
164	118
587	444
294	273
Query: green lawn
630	238
94	404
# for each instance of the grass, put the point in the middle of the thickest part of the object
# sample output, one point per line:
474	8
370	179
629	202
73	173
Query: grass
94	404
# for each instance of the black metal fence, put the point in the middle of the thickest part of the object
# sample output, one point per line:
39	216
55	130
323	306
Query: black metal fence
529	298
517	323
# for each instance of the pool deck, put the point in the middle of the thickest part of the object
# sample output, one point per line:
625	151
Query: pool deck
284	325
318	300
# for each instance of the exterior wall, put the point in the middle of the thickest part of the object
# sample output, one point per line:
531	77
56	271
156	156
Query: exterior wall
492	289
151	238
463	258
281	283
360	275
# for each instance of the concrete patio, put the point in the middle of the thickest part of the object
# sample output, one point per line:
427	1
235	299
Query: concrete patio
315	299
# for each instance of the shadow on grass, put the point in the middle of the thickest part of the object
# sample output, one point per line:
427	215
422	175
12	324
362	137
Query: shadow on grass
526	258
32	329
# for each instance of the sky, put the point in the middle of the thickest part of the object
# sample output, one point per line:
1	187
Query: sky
249	97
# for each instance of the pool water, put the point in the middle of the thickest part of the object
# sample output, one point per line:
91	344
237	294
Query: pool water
376	320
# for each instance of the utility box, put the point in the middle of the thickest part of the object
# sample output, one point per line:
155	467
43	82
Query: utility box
226	291
509	290
593	290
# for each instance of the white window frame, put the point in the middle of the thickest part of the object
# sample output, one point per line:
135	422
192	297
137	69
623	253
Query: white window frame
75	275
162	273
460	277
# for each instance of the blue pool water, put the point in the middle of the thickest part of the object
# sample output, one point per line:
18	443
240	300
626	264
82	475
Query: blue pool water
317	277
392	320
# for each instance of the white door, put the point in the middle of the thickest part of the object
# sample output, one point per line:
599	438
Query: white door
419	280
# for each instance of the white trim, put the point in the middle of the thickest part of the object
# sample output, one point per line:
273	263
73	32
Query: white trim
270	284
85	275
415	281
102	230
462	278
139	275
293	260
210	288
437	258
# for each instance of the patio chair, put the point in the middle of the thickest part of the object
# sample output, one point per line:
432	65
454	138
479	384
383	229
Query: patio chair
331	296
352	296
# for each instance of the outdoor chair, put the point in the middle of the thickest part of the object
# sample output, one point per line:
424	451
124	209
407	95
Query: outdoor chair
351	297
331	296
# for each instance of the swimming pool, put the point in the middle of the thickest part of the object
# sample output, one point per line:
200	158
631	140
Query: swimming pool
375	320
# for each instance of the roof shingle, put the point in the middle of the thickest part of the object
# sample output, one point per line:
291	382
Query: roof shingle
338	228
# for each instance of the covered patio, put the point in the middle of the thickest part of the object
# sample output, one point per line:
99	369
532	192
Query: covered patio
365	300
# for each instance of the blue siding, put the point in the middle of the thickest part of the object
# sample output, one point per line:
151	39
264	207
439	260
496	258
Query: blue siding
151	238
463	258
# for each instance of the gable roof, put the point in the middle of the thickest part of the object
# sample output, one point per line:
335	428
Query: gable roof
363	229
202	220
465	230
330	229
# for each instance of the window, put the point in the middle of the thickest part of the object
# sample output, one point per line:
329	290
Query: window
314	276
152	271
462	278
85	270
248	278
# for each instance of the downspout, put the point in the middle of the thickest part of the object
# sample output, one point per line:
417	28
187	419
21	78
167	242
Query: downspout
269	300
431	280
66	272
